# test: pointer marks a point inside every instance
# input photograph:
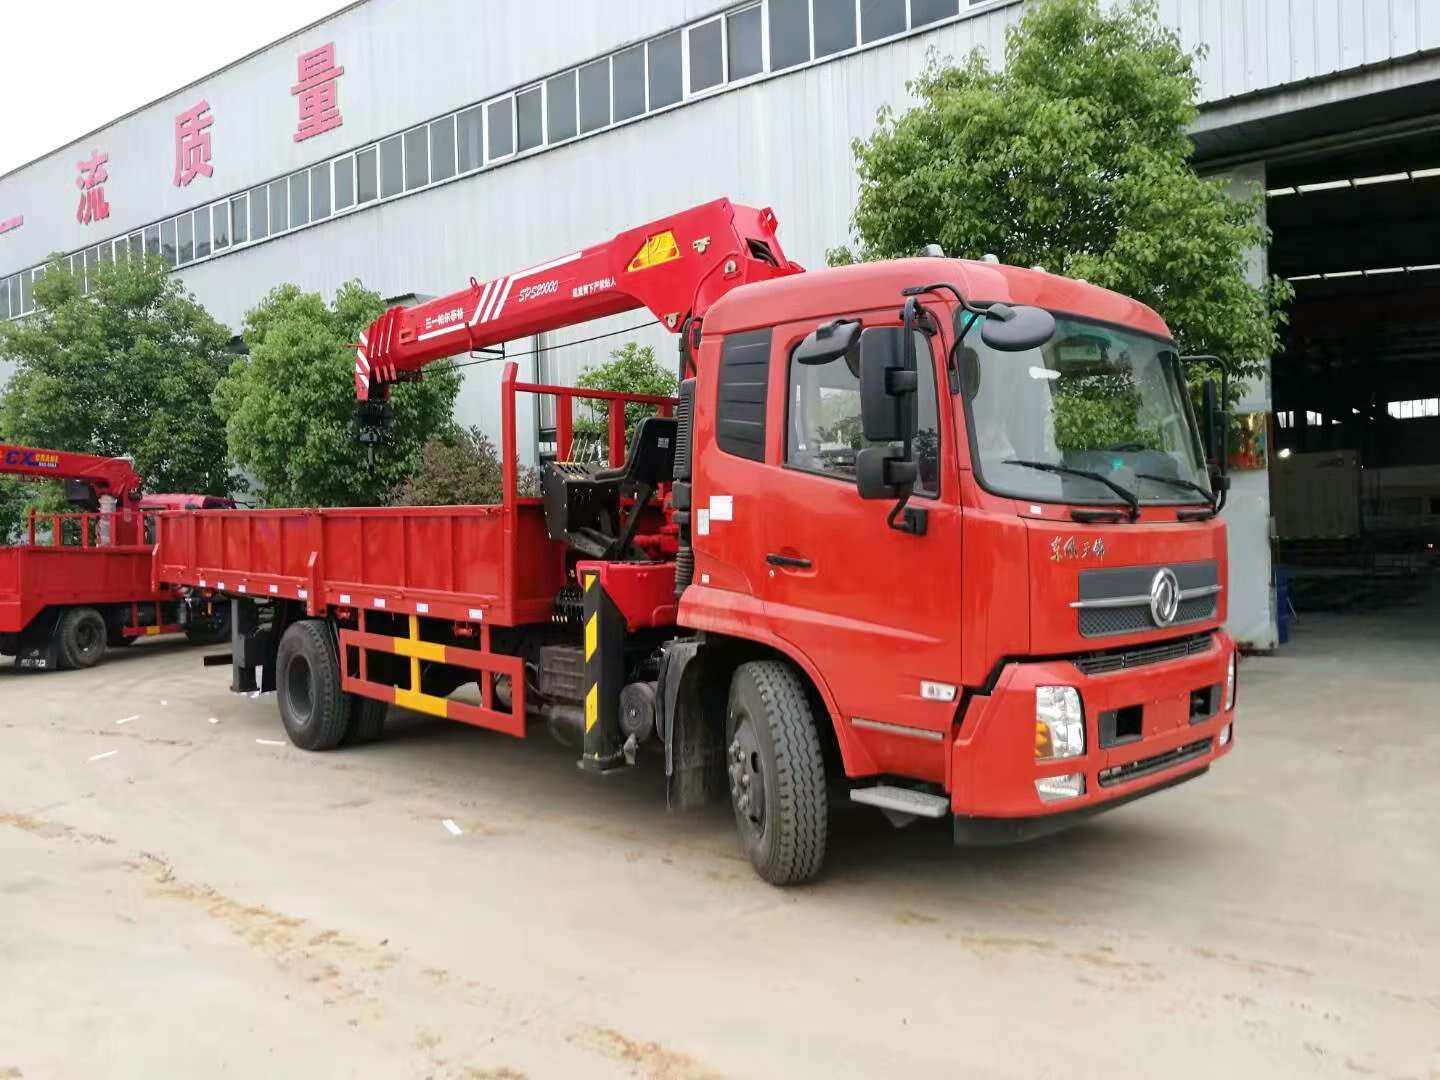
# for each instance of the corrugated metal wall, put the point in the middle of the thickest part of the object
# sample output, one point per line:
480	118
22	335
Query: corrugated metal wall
1262	44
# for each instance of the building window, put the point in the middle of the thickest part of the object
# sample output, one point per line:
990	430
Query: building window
500	131
928	11
442	149
279	195
1313	419
202	233
137	246
417	158
104	252
665	65
240	218
220	225
152	240
595	96
299	199
789	33
344	183
469	144
320	192
707	61
366	186
392	167
1285	419
834	26
529	119
881	19
743	47
628	74
186	247
560	108
167	242
27	297
1415	409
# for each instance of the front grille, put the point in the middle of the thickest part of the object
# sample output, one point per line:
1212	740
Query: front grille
1133	770
1104	622
1103	663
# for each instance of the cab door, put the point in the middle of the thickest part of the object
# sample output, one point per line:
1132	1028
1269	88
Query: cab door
876	610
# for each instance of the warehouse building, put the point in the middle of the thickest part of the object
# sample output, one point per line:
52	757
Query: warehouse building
416	145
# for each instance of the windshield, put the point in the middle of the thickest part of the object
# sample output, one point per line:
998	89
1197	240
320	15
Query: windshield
1096	398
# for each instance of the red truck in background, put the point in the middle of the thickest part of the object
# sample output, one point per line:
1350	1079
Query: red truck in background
79	582
932	534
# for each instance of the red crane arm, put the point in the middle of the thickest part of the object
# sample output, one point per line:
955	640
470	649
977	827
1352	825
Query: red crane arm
106	476
676	267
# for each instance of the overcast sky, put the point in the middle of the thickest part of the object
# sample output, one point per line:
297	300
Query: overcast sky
70	66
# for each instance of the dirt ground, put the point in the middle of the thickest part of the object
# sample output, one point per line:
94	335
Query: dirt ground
180	898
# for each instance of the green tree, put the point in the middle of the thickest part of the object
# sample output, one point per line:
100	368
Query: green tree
289	404
460	468
1075	158
631	369
126	370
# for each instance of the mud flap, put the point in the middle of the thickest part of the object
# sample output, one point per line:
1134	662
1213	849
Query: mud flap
694	750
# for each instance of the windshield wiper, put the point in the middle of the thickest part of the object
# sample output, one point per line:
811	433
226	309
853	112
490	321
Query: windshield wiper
1050	467
1189	485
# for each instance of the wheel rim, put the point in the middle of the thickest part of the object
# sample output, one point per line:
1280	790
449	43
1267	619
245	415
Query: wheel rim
747	775
299	688
87	638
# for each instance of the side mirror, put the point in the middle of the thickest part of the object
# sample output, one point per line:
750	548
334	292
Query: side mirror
889	414
1017	328
1210	421
889	408
828	342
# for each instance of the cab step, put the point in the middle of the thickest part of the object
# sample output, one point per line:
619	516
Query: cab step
901	800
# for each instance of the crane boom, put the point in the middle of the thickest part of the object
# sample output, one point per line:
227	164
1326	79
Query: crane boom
676	267
106	476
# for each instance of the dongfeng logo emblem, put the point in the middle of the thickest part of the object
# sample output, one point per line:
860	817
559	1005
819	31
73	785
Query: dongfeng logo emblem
1164	597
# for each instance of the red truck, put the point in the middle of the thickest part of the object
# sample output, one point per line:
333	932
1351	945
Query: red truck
932	534
81	581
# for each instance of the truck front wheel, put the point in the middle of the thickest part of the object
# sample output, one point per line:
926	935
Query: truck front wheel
776	772
315	711
81	636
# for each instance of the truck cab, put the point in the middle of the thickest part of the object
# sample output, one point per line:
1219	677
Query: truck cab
1036	634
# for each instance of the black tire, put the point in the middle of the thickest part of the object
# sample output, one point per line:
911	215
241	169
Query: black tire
80	636
773	747
367	720
315	711
212	629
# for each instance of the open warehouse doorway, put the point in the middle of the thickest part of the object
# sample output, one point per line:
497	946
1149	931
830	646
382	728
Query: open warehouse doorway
1355	436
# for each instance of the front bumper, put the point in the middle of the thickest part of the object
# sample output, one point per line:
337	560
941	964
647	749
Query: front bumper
1167	734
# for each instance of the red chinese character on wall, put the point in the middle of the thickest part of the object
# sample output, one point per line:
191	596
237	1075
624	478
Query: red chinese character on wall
93	206
192	144
317	73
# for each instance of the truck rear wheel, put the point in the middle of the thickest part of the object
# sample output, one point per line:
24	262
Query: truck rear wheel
367	720
81	635
776	772
315	711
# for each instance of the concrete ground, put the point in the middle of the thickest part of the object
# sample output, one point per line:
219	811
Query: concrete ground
178	898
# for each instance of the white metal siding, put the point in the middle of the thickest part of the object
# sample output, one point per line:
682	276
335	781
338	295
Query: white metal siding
1263	44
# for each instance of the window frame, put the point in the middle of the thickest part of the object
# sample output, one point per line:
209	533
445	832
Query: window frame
688	93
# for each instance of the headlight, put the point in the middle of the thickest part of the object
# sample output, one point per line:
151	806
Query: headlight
1230	682
1059	723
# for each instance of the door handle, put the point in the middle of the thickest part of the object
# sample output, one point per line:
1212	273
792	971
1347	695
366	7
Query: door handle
788	561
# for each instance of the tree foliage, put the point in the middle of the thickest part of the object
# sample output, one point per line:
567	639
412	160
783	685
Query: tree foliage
1075	158
460	468
289	404
127	370
631	369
